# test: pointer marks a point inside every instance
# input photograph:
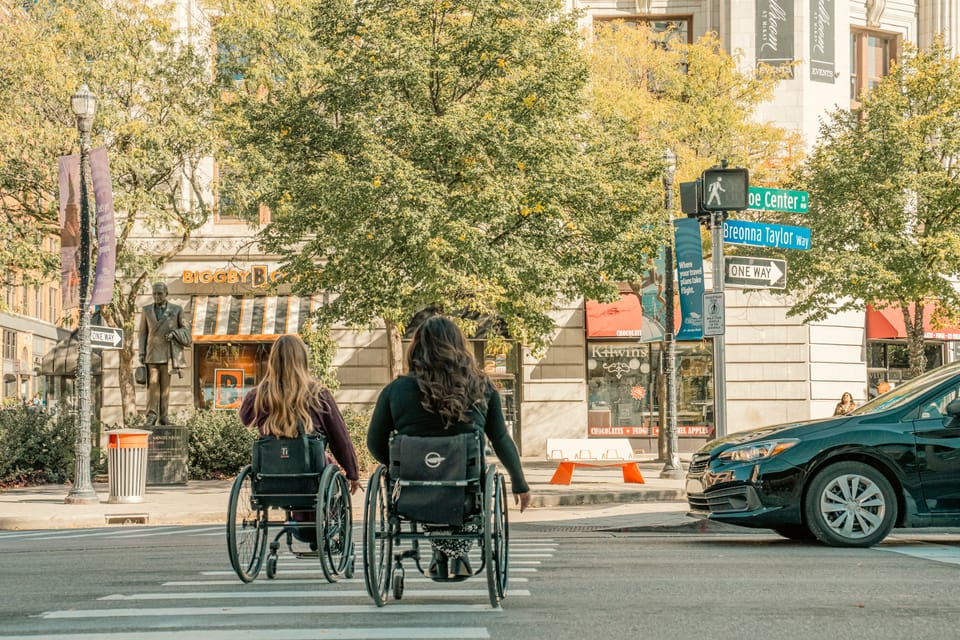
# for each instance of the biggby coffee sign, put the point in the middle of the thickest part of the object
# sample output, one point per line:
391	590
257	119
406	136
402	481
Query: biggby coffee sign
256	276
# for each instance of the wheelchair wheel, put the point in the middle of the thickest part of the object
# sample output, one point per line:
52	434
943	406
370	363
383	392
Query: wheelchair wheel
246	528
271	566
377	538
334	524
495	535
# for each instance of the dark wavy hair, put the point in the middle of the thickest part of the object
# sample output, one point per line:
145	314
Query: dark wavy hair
442	363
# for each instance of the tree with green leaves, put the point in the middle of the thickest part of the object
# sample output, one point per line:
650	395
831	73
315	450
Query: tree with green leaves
432	152
152	81
884	188
693	98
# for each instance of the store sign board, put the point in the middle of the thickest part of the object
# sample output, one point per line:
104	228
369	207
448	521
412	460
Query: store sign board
683	430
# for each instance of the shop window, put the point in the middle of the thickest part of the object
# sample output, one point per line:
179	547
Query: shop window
871	55
224	372
624	381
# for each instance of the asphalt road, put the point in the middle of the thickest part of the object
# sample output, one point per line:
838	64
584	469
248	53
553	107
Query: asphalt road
567	581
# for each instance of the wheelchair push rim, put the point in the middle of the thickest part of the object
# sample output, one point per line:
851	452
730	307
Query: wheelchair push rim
246	528
334	524
495	536
378	538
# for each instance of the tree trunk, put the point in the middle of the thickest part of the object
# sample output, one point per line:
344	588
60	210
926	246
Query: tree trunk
394	349
124	317
915	346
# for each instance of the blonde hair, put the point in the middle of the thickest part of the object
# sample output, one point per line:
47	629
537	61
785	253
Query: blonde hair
288	392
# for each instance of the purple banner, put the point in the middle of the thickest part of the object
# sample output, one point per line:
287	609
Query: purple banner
70	231
106	238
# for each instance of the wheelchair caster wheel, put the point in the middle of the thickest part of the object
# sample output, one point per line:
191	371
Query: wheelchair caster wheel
271	567
398	583
351	567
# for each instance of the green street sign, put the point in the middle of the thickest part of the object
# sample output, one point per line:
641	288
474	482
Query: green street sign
762	199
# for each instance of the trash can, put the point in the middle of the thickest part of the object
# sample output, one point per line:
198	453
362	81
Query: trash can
127	464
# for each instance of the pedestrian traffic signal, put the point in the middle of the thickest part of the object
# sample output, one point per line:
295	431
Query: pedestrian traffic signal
725	189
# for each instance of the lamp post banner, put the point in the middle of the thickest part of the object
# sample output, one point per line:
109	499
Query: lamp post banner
652	301
69	167
106	237
689	277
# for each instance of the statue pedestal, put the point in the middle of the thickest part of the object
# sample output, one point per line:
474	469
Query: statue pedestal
167	455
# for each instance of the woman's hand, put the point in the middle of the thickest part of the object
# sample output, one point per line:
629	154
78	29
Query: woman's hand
355	486
522	499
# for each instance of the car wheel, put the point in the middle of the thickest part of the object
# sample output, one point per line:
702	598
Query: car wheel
850	504
795	532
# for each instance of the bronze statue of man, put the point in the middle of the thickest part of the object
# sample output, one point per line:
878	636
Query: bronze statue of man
163	335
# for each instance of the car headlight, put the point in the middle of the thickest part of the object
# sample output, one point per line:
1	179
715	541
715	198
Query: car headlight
757	450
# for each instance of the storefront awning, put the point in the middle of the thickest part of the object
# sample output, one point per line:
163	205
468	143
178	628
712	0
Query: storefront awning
887	324
62	359
235	318
623	319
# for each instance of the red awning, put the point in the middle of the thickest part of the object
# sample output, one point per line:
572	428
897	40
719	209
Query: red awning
887	324
620	319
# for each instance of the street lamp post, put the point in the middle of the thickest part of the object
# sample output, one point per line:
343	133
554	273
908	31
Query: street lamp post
84	106
672	467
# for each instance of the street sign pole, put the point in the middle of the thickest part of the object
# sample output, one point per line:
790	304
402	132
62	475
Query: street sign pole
719	366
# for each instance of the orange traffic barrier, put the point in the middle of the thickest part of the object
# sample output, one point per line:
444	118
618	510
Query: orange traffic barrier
564	472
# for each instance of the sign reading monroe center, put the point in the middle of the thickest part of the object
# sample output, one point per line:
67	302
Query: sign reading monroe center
763	199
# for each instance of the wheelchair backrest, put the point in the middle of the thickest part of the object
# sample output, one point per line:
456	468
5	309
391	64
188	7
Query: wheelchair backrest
286	471
436	479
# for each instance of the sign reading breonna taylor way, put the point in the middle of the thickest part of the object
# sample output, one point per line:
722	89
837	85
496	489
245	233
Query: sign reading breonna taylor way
759	234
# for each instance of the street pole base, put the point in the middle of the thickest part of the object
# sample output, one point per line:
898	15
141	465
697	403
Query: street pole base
672	473
82	497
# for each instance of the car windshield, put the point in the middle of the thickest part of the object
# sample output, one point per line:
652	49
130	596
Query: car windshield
901	395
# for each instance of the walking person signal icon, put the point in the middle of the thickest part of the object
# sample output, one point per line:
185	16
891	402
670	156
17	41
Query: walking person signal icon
726	189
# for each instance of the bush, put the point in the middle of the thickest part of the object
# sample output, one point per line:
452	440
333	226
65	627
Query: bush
219	444
357	424
38	446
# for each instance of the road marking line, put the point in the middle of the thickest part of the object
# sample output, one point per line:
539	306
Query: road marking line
357	633
285	583
288	593
935	553
268	610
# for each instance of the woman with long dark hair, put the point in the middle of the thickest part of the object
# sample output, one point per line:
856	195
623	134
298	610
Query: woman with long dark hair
289	396
445	393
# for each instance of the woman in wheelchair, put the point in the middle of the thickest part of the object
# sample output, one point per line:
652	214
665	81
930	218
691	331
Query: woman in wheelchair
445	392
287	397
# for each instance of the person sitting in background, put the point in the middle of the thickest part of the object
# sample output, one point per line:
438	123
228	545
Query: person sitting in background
846	405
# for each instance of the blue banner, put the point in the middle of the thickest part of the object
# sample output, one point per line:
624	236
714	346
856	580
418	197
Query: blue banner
689	278
652	299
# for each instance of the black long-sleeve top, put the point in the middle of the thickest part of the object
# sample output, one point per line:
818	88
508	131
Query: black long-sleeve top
329	423
399	409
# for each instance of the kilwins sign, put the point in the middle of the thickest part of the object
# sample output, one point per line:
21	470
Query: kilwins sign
774	32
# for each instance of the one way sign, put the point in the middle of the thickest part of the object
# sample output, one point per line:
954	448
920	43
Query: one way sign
106	337
754	273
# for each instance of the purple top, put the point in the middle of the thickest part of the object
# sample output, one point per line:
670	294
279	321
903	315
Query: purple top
330	424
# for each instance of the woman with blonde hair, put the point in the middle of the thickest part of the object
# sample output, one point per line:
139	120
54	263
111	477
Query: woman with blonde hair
444	393
289	396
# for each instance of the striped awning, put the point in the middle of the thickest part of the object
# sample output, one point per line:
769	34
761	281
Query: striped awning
218	318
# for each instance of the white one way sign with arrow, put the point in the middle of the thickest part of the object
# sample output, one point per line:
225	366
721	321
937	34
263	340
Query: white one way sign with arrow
754	273
106	337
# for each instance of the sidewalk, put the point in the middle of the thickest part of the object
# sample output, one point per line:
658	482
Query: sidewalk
594	492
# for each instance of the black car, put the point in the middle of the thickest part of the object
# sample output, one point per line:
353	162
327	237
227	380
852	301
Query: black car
847	480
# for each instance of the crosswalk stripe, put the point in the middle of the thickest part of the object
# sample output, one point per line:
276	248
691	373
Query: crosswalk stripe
936	553
279	581
291	594
357	633
271	610
125	533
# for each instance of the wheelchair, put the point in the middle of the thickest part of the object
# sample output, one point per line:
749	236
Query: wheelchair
431	485
290	477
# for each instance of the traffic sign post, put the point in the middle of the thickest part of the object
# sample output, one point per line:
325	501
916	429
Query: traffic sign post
714	323
106	337
754	273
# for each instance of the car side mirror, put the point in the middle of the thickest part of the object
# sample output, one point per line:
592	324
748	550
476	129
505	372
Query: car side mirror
953	408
